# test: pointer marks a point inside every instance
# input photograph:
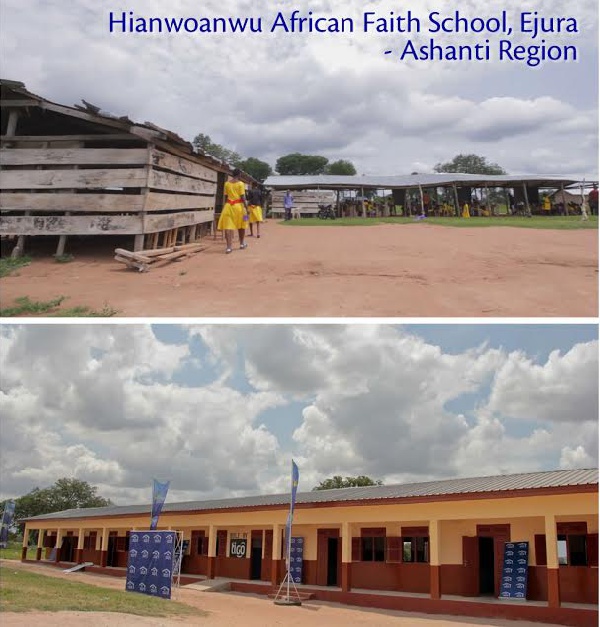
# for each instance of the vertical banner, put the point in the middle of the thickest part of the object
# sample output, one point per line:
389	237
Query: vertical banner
8	516
150	562
514	571
159	494
288	525
296	559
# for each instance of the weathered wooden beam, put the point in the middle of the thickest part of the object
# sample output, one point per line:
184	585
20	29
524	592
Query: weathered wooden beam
78	179
70	225
168	221
159	201
64	201
69	138
176	183
19	103
72	156
182	165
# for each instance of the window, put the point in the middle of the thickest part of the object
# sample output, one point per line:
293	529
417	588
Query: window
373	549
199	543
415	544
572	550
572	544
415	549
89	541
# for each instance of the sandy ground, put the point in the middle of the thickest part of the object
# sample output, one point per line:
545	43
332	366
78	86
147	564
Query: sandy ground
383	270
226	609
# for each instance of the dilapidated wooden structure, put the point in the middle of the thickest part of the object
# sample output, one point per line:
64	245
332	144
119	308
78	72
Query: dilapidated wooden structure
80	171
306	202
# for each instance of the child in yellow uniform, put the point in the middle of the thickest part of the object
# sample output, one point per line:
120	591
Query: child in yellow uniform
235	211
255	210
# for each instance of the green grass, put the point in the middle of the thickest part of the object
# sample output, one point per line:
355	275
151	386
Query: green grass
12	552
24	306
535	222
22	591
9	265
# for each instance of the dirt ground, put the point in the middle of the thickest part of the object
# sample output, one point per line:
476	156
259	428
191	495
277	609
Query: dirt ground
226	609
384	270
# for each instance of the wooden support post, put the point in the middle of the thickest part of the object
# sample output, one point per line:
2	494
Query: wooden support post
422	201
456	203
527	207
138	242
62	240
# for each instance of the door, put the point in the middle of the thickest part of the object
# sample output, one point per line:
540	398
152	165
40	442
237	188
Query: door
111	557
471	565
486	566
332	561
329	557
256	556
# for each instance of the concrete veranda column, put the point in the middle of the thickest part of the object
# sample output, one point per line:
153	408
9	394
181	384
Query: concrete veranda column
434	559
104	547
552	562
79	549
346	557
276	554
40	544
212	551
24	545
59	536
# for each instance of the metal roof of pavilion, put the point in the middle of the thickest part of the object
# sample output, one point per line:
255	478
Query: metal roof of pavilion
472	485
407	181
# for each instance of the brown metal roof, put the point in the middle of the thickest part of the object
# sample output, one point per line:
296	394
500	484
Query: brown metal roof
498	484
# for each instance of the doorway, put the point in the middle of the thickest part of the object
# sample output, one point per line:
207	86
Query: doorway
256	557
486	566
332	561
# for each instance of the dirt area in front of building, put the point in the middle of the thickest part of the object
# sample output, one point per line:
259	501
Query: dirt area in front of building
225	609
385	270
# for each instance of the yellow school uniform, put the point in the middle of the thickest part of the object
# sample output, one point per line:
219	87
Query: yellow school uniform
255	212
232	216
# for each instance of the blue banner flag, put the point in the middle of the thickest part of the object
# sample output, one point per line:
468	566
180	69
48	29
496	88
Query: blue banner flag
159	494
7	520
288	525
295	478
514	571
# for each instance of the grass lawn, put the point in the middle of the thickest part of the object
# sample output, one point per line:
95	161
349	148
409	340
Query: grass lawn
24	306
22	591
12	551
535	222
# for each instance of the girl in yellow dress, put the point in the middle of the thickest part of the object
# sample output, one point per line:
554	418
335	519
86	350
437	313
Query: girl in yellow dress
255	210
235	211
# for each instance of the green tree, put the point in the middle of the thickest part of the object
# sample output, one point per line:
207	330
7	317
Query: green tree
256	168
66	493
341	167
298	164
203	143
470	164
348	482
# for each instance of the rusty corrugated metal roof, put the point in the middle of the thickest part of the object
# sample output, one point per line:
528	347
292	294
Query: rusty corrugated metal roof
470	485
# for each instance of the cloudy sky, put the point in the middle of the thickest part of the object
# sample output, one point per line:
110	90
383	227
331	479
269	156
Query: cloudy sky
269	94
221	409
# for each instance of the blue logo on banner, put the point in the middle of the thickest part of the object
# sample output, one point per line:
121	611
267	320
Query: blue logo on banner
296	558
8	516
148	571
514	580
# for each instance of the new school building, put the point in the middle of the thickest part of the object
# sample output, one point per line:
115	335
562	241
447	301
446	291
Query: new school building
434	547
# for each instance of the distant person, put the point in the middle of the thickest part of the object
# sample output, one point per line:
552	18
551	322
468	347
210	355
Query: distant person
288	204
255	214
234	216
593	200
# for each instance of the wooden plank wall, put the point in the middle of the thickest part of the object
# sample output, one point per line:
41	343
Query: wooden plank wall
73	185
307	202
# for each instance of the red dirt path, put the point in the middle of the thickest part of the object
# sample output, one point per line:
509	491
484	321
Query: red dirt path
226	609
337	271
